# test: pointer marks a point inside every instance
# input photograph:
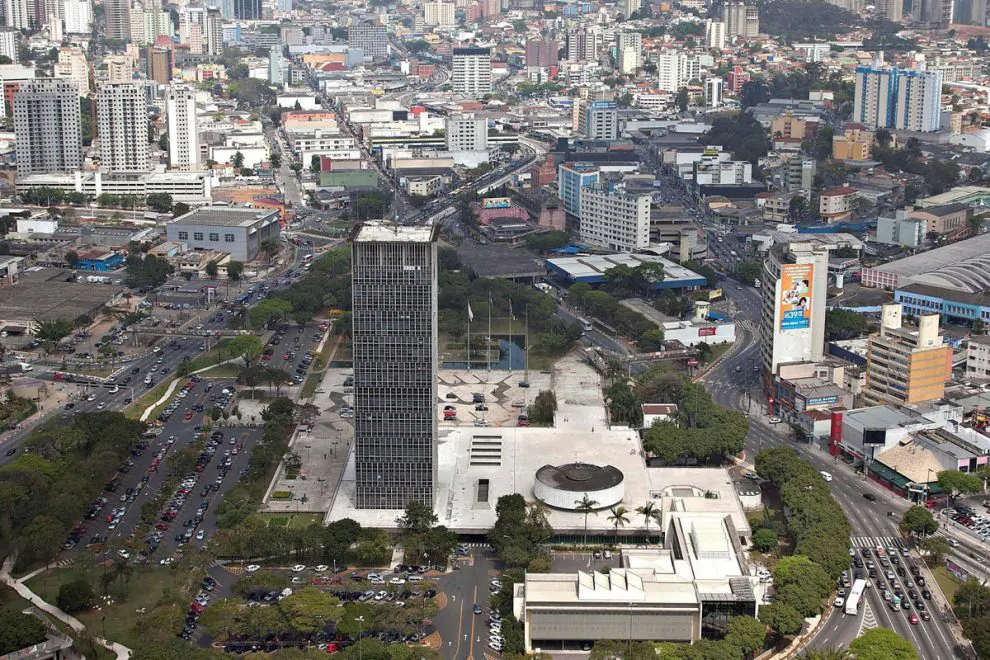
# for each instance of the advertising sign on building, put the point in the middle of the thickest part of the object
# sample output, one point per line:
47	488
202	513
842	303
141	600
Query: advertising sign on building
496	203
957	571
823	400
706	331
795	296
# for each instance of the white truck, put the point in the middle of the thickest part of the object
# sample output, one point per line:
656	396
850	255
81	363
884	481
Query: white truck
855	595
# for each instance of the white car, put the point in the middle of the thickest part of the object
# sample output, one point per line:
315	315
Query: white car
954	543
124	553
251	568
840	601
321	568
397	580
298	568
825	475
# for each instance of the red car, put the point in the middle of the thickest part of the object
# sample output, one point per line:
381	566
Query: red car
162	526
189	415
914	619
267	357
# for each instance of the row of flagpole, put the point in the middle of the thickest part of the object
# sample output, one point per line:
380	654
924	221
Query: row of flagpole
488	354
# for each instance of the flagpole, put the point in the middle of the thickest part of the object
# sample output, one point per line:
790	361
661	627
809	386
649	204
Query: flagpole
510	335
469	343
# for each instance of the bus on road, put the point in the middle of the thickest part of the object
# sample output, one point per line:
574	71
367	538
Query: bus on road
855	595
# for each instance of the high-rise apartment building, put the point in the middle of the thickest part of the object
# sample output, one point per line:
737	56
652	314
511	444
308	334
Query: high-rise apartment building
8	43
614	219
394	316
77	16
906	365
467	133
795	287
120	68
890	97
73	66
439	13
713	92
891	10
16	14
571	178
671	67
599	120
247	10
629	7
714	35
584	44
741	20
471	73
213	32
371	39
48	127
183	133
118	19
542	52
122	116
628	51
159	60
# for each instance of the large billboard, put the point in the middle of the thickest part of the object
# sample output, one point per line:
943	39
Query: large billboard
496	203
795	296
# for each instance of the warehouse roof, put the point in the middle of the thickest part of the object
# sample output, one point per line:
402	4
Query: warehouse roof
963	266
224	216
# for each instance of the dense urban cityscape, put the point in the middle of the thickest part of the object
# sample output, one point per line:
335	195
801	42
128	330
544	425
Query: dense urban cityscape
491	329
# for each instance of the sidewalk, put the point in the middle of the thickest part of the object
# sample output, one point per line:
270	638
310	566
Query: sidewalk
123	653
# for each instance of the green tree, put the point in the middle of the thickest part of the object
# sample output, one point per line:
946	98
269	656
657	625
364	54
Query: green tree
275	159
179	209
765	540
957	483
71	257
238	160
315	164
782	619
246	347
936	547
585	505
309	609
682	99
418	518
19	630
844	324
619	517
544	408
75	596
918	520
650	512
161	202
882	644
235	269
801	583
270	246
212	270
747	634
51	332
748	272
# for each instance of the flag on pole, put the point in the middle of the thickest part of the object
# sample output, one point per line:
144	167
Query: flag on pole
511	316
470	314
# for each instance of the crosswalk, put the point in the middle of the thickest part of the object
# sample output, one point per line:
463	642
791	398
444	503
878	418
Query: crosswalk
869	621
64	563
875	541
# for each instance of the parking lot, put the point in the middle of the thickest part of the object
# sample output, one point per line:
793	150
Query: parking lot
483	398
114	517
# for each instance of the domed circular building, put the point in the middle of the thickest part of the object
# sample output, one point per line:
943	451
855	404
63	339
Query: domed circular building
564	486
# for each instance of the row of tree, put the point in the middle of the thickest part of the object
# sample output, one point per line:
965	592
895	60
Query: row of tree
817	525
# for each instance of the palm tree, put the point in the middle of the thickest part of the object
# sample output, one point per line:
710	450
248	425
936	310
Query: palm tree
619	518
585	505
649	511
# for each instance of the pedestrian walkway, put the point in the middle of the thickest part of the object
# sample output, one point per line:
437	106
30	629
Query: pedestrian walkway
876	542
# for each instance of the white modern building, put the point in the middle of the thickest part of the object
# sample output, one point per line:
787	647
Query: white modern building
714	35
713	92
16	14
471	73
467	133
599	120
8	43
795	288
183	135
189	187
77	16
122	114
48	127
890	97
614	219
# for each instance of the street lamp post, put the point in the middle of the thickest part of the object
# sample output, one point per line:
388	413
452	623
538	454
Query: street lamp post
360	621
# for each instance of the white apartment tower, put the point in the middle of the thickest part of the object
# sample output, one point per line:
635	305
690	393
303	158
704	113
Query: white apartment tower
122	116
614	219
669	71
77	16
467	133
714	35
8	43
741	20
213	33
183	134
48	127
713	92
16	13
628	49
439	13
890	97
472	72
631	6
73	66
118	19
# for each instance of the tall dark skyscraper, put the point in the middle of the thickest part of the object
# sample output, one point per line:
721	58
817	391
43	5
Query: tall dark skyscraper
394	290
248	10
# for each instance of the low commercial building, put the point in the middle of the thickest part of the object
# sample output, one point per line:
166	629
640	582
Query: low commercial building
591	270
699	329
963	266
978	357
837	204
189	187
238	231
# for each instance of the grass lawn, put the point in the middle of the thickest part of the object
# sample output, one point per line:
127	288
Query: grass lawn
9	597
212	356
946	582
718	350
223	371
144	589
134	410
309	387
290	520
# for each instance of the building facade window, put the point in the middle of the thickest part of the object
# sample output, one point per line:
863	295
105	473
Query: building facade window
183	236
197	236
228	238
215	238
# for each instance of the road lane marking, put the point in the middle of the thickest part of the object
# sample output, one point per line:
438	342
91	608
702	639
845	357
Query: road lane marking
460	626
473	617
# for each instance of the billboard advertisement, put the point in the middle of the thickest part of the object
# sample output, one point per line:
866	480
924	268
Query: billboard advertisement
496	203
706	331
823	400
795	296
874	436
957	571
